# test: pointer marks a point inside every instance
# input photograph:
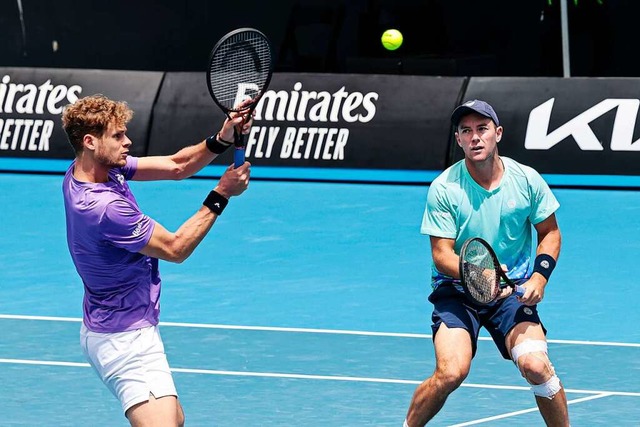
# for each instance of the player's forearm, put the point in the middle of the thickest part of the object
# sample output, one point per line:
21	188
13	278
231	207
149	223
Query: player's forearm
444	257
177	247
447	263
192	159
190	234
550	244
547	254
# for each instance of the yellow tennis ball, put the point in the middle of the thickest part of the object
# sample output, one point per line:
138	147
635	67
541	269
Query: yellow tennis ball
391	39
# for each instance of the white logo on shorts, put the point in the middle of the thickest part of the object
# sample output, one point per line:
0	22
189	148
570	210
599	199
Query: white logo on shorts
528	311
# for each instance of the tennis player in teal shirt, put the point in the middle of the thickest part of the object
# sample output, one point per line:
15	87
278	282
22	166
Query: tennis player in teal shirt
500	200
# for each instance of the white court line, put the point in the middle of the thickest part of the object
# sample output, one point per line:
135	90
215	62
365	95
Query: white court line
310	330
315	377
525	411
44	363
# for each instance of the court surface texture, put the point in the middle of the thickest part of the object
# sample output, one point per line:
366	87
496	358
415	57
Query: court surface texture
306	305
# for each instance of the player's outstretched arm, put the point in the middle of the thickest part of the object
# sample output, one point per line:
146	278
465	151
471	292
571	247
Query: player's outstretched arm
178	246
189	160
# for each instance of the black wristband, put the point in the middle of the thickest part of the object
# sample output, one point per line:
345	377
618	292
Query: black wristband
544	264
216	202
217	145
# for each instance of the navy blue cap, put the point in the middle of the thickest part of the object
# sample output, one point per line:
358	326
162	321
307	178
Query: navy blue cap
475	106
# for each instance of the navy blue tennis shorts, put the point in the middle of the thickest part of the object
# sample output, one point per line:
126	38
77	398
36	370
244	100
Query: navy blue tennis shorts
456	311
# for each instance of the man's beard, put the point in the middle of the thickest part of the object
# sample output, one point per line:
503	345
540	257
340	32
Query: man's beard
106	161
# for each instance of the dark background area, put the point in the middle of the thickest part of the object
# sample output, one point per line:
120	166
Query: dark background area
441	37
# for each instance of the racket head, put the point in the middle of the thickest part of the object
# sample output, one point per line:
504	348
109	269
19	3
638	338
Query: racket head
479	271
240	64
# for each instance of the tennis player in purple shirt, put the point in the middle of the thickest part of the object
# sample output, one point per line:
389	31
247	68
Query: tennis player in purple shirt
116	247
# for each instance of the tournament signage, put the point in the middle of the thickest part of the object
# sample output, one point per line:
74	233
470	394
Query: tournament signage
321	120
32	100
566	127
581	126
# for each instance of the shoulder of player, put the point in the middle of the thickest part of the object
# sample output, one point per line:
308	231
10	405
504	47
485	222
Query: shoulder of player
117	210
450	177
517	168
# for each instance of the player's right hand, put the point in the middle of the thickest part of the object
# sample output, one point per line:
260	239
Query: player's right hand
234	181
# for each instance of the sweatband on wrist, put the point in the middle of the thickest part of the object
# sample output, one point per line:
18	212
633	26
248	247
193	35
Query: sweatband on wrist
216	202
217	145
544	264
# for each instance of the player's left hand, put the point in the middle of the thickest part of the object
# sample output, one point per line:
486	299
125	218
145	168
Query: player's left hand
506	291
237	118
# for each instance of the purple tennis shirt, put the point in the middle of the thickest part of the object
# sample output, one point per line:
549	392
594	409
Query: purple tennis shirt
105	231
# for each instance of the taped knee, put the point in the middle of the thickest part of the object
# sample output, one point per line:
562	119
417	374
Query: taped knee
530	356
526	347
548	389
538	350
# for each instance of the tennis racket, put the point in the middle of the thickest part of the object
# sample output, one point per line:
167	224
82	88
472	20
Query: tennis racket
239	72
481	273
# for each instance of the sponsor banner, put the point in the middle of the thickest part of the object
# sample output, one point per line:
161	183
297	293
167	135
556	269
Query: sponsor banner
320	120
576	126
31	103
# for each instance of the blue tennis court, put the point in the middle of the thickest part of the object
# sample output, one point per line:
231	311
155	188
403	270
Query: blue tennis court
307	306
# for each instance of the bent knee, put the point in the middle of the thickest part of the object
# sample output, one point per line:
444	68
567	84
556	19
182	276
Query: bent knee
536	367
451	378
532	360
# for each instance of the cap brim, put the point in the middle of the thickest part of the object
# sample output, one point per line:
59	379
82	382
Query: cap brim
461	111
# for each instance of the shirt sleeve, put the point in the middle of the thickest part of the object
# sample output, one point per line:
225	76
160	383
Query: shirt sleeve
543	201
130	168
438	219
124	226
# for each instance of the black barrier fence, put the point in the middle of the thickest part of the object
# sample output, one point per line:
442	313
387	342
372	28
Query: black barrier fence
577	128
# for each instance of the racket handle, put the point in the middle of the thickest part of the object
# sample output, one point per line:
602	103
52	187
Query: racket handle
238	156
518	290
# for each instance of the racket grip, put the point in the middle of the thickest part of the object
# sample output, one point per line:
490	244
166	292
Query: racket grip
518	290
238	156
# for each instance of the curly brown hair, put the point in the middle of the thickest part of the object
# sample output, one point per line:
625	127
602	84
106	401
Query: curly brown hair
92	115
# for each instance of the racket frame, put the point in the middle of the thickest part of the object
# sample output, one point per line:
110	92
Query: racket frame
238	136
500	274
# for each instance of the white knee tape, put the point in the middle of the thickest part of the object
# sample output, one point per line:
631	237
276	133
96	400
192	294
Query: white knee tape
552	386
548	389
528	346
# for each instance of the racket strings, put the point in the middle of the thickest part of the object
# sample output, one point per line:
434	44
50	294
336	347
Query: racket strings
240	66
479	273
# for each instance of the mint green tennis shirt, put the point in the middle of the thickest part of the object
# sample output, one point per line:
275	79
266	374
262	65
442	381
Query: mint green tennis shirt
458	208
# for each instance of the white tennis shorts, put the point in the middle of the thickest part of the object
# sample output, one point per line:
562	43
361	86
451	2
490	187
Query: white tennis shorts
132	364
